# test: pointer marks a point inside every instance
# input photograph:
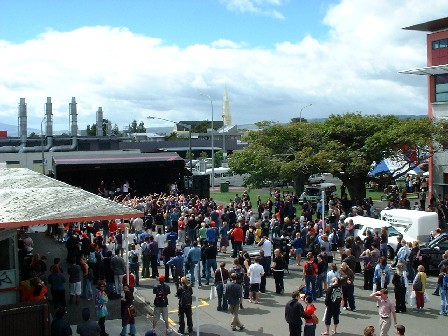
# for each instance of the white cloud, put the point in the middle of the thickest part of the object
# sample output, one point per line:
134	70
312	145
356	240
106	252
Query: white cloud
257	7
132	76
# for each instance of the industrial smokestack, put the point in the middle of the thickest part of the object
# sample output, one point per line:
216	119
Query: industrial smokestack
99	122
73	118
49	115
109	128
22	121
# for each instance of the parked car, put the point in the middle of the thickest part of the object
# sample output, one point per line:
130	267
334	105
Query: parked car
316	178
364	224
433	252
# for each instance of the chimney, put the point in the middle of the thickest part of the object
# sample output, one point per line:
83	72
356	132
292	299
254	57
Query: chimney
99	122
22	121
49	115
73	118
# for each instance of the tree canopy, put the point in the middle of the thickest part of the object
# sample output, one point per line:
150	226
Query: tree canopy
344	145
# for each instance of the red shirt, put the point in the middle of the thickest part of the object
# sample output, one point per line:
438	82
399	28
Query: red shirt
131	280
238	234
310	309
181	225
314	266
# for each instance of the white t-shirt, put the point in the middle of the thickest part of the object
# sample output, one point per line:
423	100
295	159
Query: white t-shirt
267	248
160	239
255	273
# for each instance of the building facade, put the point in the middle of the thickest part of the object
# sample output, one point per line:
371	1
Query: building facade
436	70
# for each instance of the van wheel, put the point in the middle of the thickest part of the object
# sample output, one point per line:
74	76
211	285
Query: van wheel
390	253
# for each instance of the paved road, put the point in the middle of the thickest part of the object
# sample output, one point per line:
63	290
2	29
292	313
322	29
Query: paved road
264	319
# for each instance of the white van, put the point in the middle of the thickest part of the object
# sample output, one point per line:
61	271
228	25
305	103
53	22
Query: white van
413	223
364	224
313	192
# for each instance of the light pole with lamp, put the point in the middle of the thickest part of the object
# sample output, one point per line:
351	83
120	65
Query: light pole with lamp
213	143
300	113
42	144
189	137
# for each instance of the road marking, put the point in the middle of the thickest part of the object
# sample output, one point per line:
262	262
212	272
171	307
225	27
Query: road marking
202	304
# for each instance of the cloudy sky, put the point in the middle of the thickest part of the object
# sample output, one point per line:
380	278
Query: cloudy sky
139	58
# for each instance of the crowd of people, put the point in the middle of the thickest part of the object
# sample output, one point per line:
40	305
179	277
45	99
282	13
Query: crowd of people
185	234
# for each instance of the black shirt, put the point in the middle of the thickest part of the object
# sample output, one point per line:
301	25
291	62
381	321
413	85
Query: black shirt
294	312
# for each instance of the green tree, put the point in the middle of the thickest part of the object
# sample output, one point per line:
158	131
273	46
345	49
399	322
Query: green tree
133	127
116	130
219	156
344	145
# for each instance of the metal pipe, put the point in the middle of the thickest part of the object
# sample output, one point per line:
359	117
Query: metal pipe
74	130
99	122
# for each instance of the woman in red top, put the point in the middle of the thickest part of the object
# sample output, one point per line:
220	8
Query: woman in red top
38	290
310	275
238	238
310	327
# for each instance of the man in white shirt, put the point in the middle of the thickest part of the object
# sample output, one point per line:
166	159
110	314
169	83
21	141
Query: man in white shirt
266	246
255	273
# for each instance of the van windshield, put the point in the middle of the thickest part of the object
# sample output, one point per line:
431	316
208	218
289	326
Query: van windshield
313	191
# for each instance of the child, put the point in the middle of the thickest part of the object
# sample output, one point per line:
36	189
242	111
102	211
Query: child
310	327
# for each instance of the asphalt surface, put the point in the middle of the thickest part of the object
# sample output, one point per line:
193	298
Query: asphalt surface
264	319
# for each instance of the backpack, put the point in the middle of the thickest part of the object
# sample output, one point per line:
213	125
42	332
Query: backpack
134	258
146	249
161	299
186	298
309	269
239	275
445	282
92	258
336	295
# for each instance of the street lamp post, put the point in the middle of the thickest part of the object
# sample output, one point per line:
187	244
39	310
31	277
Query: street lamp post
213	143
300	113
189	137
42	144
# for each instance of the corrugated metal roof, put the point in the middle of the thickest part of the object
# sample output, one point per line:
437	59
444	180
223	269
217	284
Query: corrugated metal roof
432	70
114	158
30	198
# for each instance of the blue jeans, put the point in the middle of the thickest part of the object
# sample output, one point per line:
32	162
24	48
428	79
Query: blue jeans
209	263
319	284
87	288
310	282
198	273
133	268
222	298
444	301
132	330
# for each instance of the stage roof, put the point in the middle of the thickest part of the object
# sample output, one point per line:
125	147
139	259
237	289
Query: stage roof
30	198
114	158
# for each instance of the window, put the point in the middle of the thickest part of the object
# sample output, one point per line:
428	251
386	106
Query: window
439	44
441	88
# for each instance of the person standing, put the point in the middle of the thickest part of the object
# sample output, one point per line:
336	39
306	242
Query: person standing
279	273
238	238
87	277
177	264
234	296
419	286
146	256
310	270
57	280
101	300
127	318
154	254
310	327
134	264
294	313
266	246
333	300
185	296
400	284
381	275
210	253
193	259
161	303
60	326
87	327
348	288
75	275
443	290
255	273
221	278
119	268
386	309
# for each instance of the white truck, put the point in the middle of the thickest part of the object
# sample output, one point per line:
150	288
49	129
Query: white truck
412	223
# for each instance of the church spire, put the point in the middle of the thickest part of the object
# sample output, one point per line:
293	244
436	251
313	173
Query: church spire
226	116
